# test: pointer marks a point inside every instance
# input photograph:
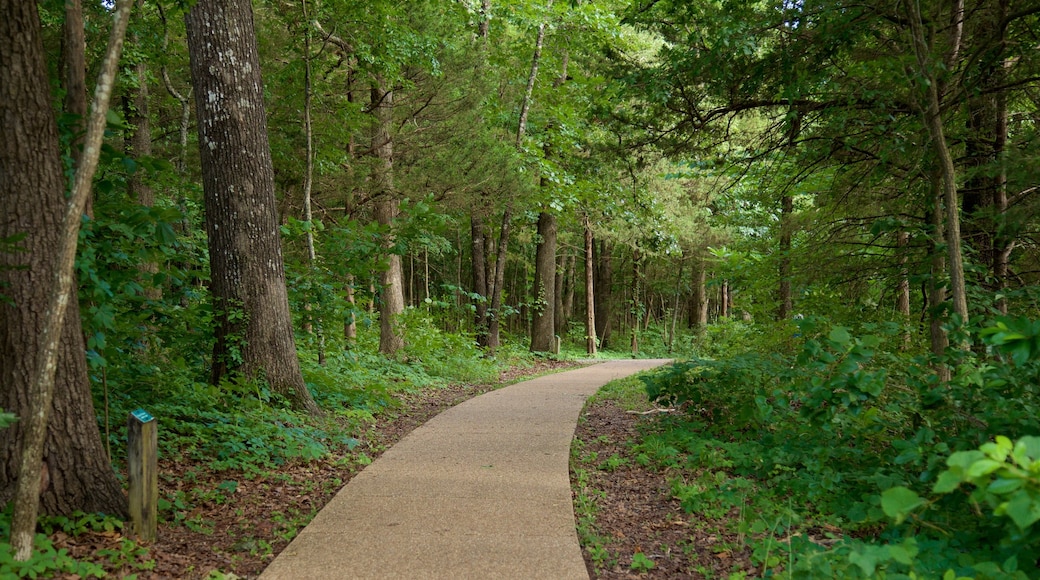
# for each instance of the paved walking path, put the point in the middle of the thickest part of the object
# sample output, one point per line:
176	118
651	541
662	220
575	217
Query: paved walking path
480	491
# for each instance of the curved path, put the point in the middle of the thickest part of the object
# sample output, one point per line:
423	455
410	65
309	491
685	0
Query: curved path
480	491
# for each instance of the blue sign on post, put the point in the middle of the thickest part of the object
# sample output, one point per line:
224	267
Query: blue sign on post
143	473
142	415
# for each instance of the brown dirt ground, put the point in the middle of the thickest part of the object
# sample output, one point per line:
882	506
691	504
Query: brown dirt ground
239	532
636	512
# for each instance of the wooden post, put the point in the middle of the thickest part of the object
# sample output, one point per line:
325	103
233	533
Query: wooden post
142	463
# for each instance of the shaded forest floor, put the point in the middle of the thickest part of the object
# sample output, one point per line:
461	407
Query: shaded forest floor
236	522
630	522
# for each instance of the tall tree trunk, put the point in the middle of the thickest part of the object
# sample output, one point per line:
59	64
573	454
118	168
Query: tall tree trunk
937	285
559	320
495	313
53	458
480	286
74	62
567	305
784	298
308	173
141	146
525	106
637	306
590	295
184	101
698	315
543	329
247	271
903	287
604	293
932	116
350	322
387	207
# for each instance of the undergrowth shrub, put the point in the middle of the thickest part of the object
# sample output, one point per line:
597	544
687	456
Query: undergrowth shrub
924	479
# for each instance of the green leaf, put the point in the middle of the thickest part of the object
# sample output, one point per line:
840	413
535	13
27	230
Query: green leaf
964	459
899	502
983	467
866	562
1023	509
1004	486
1026	451
840	335
947	482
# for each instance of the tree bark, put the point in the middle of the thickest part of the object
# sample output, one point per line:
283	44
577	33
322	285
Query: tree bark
932	116
254	329
784	298
53	457
698	316
590	294
543	329
480	286
495	313
387	207
637	306
604	293
74	62
937	286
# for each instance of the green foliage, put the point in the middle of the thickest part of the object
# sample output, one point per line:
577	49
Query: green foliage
48	561
859	432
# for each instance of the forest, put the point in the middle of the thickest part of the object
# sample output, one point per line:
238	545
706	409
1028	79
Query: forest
265	222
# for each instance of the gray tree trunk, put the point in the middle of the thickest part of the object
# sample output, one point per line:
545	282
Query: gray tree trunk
53	458
248	274
387	206
543	328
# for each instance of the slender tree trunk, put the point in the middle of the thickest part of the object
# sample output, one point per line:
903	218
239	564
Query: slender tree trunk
903	289
937	286
139	118
480	286
543	335
604	293
75	66
637	306
184	101
53	456
495	314
699	304
784	299
350	323
932	115
559	320
590	295
525	106
570	282
248	274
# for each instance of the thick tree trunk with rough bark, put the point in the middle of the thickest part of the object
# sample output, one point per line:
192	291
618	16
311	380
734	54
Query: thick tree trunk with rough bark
543	328
76	472
248	274
387	206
